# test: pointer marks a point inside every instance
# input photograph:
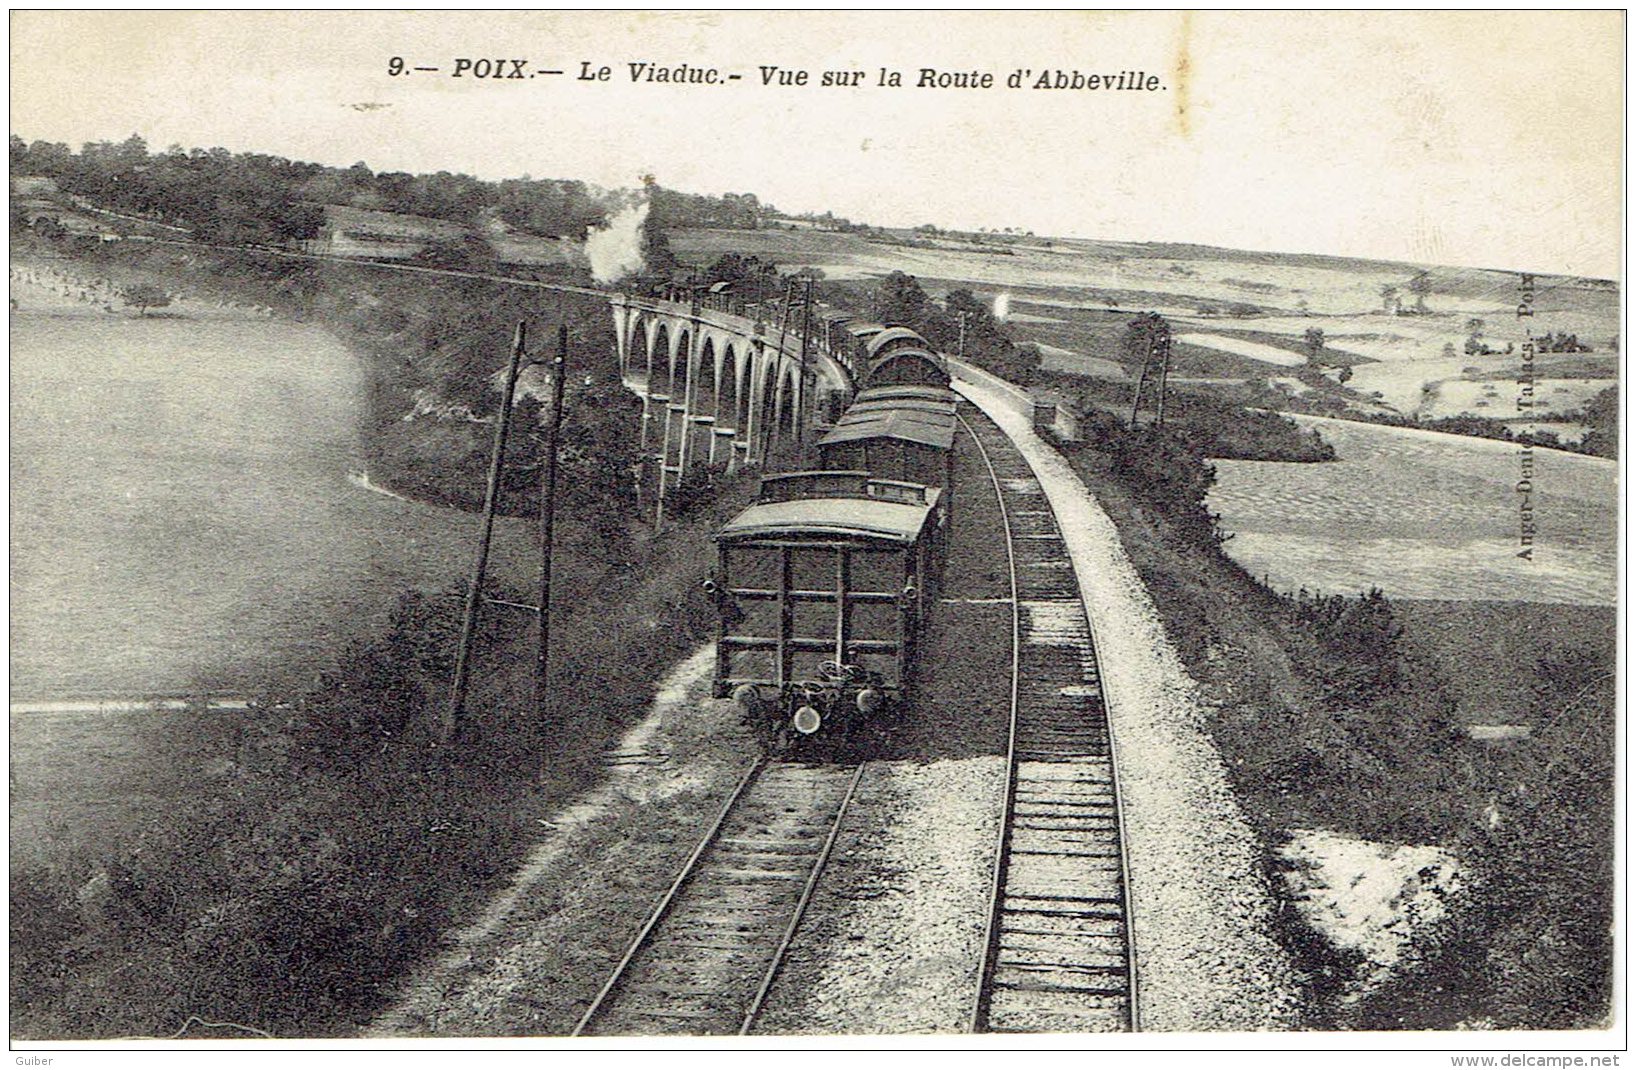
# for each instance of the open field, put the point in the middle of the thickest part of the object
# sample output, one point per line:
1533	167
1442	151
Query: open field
1423	515
1236	314
377	235
183	519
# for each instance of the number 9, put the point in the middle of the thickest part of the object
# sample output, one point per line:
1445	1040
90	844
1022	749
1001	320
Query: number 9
394	66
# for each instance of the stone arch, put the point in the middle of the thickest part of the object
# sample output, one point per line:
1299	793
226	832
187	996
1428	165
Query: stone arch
746	385
651	329
765	402
789	389
727	388
628	325
660	346
704	391
782	417
681	347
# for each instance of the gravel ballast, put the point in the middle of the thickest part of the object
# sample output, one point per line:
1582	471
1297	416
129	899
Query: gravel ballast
893	938
1206	955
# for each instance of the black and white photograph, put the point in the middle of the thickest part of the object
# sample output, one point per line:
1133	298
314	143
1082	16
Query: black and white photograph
602	529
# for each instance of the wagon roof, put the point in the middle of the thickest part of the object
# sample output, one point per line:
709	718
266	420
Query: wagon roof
929	428
895	334
918	391
880	357
869	518
906	404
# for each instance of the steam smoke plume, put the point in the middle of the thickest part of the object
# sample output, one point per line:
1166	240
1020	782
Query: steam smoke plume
1002	305
615	248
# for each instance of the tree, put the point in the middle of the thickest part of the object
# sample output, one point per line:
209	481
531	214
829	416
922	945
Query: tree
145	295
1421	286
1602	414
1146	337
1474	344
50	228
657	256
1388	298
1313	339
899	301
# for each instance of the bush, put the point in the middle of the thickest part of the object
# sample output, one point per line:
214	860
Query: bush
1163	471
1531	943
293	903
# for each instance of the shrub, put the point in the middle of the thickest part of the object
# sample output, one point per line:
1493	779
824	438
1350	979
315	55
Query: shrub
1164	472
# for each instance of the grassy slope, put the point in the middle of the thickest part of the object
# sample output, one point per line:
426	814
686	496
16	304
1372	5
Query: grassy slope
1296	765
1485	651
315	849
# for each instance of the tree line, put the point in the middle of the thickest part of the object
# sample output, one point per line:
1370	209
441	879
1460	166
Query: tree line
256	198
962	323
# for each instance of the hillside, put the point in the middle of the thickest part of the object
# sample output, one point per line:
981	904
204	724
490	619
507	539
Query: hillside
1243	317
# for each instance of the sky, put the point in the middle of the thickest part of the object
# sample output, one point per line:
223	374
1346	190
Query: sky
1488	139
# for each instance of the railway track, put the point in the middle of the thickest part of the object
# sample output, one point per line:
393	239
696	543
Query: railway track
707	956
1059	951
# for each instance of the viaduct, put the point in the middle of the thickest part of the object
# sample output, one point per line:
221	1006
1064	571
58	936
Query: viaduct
722	383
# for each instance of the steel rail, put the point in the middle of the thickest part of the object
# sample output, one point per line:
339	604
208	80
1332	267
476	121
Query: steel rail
818	867
1129	916
1131	969
669	897
979	1011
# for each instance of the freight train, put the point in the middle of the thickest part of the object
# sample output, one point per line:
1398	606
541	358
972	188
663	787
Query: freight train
824	584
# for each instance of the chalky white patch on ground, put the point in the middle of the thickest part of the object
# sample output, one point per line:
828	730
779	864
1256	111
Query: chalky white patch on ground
1373	898
568	826
1202	914
913	891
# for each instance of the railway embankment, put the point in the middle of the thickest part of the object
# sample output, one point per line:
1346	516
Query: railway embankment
1203	914
1426	878
530	960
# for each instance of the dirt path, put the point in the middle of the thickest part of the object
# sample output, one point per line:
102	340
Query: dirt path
534	958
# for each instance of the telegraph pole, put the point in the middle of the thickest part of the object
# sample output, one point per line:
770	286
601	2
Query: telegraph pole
1162	343
801	398
449	727
1156	335
1137	402
548	510
962	317
769	434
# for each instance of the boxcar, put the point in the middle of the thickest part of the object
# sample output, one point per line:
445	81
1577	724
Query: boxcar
822	586
907	439
926	397
897	356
